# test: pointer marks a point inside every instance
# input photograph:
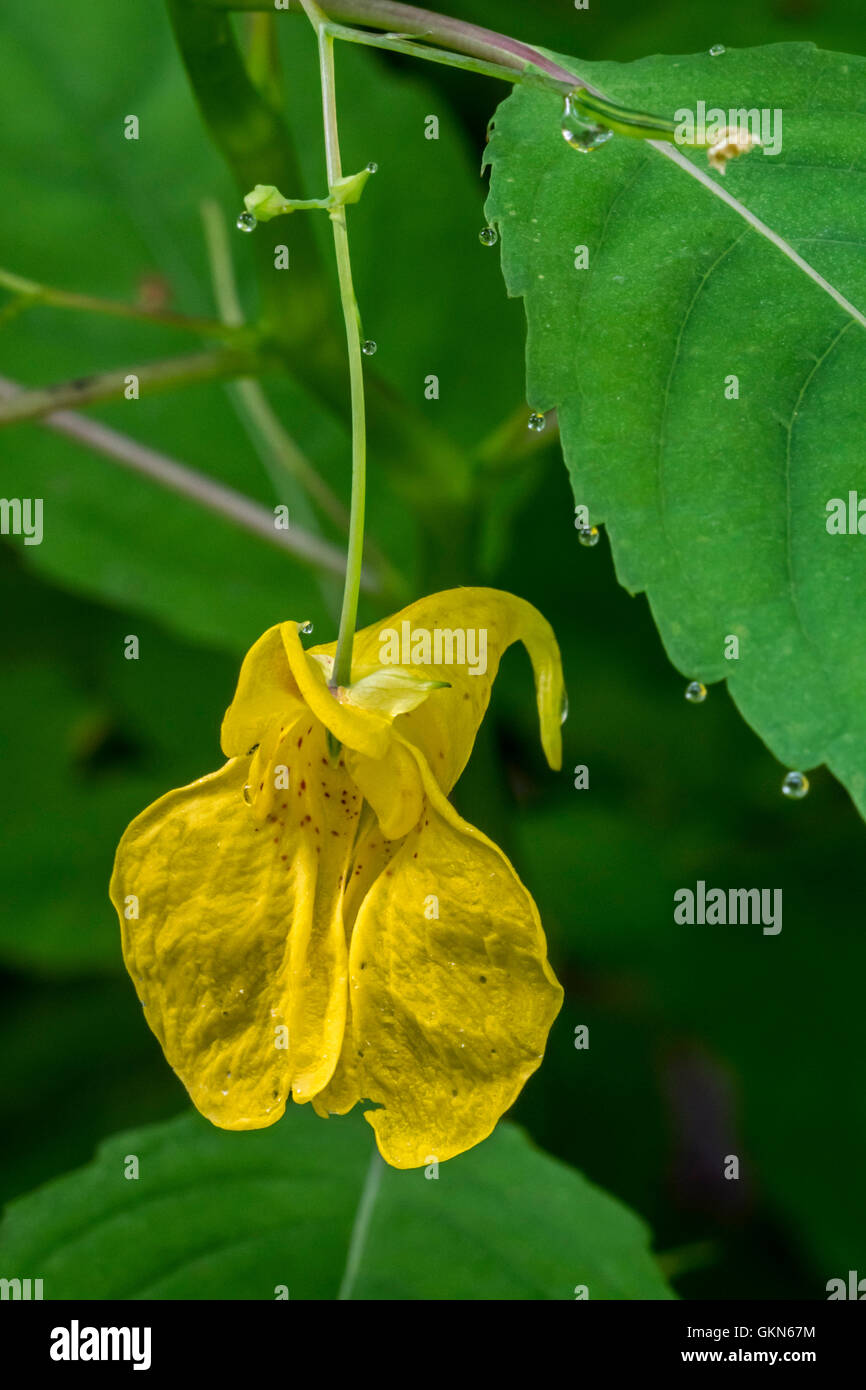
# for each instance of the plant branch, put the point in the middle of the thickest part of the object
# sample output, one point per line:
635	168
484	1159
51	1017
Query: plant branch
33	293
406	21
187	482
30	404
393	43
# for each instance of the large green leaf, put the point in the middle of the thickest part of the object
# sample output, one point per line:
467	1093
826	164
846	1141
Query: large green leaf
302	1206
716	507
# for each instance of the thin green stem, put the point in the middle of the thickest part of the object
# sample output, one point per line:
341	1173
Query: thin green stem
394	43
107	386
31	293
342	673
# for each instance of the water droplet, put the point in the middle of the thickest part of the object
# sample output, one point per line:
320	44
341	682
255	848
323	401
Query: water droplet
587	535
536	422
488	236
563	707
247	795
368	347
372	168
305	627
795	785
717	50
580	133
246	222
696	692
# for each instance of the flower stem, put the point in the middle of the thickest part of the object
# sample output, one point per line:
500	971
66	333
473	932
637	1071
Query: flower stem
342	673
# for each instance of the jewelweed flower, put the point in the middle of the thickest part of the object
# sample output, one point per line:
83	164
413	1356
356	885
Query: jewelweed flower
315	920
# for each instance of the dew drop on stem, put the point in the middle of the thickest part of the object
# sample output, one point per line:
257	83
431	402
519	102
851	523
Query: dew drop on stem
580	133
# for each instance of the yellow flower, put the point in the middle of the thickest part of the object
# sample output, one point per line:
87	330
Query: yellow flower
323	924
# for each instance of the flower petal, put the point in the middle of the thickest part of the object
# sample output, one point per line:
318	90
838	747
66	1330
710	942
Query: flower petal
393	787
445	725
266	694
390	690
239	930
373	853
451	1011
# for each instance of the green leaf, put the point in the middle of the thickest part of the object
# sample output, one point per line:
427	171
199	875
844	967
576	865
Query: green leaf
283	1206
716	507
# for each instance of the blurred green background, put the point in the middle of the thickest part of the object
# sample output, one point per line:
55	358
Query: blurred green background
703	1042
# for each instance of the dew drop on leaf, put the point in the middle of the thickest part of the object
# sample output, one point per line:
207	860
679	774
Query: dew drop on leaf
368	347
696	692
587	535
795	785
488	236
717	50
536	422
372	167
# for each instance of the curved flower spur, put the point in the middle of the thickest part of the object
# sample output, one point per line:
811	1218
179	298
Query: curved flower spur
317	920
